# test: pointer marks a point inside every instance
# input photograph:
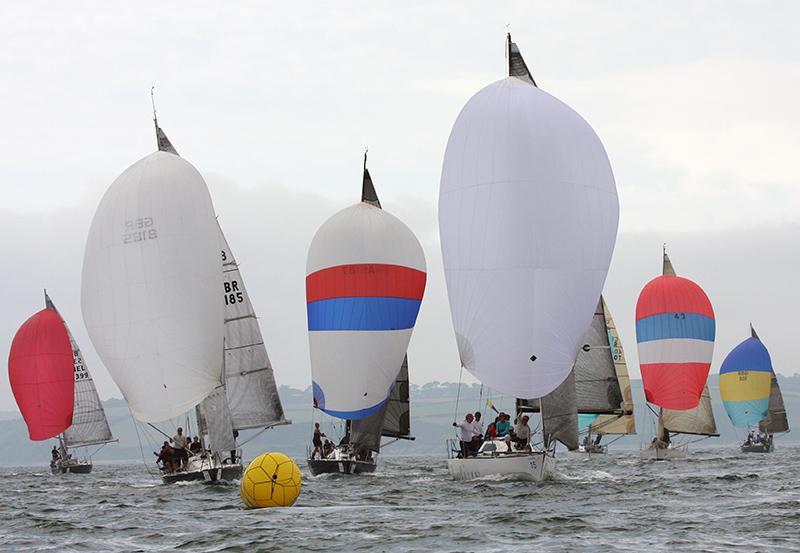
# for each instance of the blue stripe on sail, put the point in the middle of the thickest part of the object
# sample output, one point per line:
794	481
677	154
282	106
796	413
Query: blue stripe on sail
675	325
363	313
358	414
750	355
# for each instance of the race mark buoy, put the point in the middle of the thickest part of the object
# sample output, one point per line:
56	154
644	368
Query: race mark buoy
271	480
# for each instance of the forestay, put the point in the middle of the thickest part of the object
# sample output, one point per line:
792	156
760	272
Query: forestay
364	285
150	288
528	216
89	423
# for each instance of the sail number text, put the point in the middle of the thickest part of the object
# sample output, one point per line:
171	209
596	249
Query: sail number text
139	230
232	293
80	370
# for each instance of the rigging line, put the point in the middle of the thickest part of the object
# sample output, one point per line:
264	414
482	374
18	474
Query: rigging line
254	436
458	394
141	449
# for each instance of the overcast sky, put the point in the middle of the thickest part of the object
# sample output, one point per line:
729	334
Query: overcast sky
696	104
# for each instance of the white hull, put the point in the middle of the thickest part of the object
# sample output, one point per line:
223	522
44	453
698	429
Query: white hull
535	466
664	454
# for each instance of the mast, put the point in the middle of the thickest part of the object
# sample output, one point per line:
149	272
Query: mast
393	420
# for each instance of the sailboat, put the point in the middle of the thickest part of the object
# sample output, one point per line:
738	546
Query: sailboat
54	389
528	215
605	403
751	395
675	330
170	341
364	286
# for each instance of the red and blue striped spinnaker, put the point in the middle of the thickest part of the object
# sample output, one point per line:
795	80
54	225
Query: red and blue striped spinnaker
364	286
675	331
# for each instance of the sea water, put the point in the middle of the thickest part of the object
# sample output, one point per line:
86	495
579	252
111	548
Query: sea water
716	500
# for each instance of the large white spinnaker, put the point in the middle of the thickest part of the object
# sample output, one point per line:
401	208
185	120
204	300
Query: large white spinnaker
150	287
528	216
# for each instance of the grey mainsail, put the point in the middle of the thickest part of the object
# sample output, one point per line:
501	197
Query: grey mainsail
625	423
516	63
214	420
393	420
558	411
776	420
89	423
598	390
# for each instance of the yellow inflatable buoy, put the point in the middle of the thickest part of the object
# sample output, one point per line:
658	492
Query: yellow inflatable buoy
271	480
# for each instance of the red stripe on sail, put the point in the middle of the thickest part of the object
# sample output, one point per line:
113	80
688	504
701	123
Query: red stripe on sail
42	374
672	294
365	280
674	385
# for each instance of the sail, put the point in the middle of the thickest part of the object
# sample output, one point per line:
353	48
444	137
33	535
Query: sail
89	423
249	380
516	64
560	416
675	331
364	286
163	143
775	421
745	380
596	384
41	373
150	287
698	420
214	420
625	423
392	421
528	215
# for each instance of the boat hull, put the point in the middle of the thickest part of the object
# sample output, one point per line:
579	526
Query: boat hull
593	449
664	453
757	448
78	467
340	466
533	467
204	469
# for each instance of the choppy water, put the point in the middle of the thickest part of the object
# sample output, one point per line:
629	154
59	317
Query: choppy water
717	500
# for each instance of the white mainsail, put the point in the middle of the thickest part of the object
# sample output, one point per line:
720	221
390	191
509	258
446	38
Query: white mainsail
89	422
528	216
249	380
150	287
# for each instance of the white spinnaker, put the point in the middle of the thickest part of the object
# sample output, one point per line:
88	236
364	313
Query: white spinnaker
150	287
528	215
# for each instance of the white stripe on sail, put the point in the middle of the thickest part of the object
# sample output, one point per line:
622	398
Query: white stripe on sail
676	350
